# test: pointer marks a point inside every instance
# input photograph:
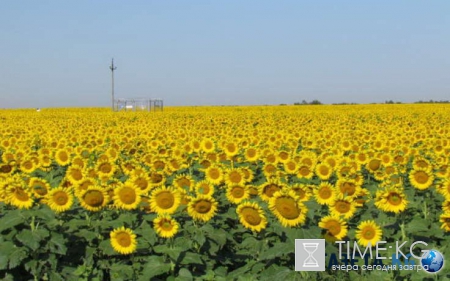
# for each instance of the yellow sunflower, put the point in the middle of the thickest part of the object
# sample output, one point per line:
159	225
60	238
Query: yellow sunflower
59	199
251	216
325	193
368	232
156	179
336	228
165	200
267	189
105	169
19	197
291	167
391	200
324	171
251	154
127	196
123	240
446	206
142	182
234	177
287	208
75	174
202	208
248	174
165	226
39	187
184	182
83	185
7	168
214	174
444	188
421	163
421	178
342	206
270	170
207	145
230	149
373	165
204	188
305	172
62	157
27	166
445	220
236	193
94	198
302	191
347	187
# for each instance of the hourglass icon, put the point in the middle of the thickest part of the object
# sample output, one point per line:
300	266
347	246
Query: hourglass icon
310	261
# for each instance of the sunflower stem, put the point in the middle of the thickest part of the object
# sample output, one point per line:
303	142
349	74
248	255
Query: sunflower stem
425	207
32	224
402	227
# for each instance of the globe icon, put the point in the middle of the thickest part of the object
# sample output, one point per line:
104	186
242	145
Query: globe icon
433	262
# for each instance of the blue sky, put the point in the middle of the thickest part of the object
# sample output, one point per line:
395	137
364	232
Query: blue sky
57	53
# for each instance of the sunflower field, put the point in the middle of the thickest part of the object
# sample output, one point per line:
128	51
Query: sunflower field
218	193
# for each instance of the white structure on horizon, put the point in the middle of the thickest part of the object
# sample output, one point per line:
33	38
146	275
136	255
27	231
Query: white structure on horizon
138	104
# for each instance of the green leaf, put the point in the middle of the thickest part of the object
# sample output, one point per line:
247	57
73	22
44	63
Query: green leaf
278	250
173	253
155	266
199	237
244	269
106	248
417	225
57	244
87	234
250	243
184	275
147	233
192	258
121	272
32	239
76	224
6	248
56	276
10	220
17	256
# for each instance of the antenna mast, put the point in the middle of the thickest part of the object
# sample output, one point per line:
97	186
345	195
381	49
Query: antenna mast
112	67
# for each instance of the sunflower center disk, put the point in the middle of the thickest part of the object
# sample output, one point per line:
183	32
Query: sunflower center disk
203	207
324	193
94	198
270	189
368	233
60	198
251	216
342	207
123	239
334	228
394	199
287	207
166	225
165	200
421	177
127	195
21	195
237	192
